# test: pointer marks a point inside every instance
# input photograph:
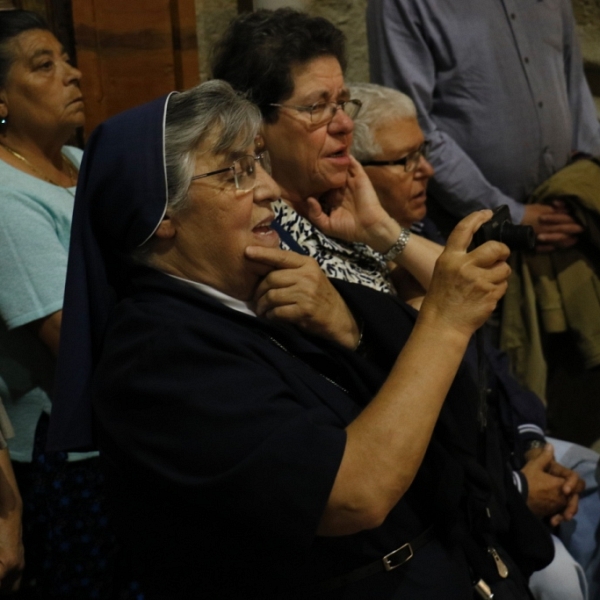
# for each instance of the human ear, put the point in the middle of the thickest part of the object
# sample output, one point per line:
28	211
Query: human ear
166	229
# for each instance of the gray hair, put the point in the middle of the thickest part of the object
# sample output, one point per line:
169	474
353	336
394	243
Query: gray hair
379	105
214	110
210	110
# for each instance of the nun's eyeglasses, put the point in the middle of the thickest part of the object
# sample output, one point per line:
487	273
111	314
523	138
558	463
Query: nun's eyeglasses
243	171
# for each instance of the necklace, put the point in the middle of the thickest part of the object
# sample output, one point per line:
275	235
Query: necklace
72	170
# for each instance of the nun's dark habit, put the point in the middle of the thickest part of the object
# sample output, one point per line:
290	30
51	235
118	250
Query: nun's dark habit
120	201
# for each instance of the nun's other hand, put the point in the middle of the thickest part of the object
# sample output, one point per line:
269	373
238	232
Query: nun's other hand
296	291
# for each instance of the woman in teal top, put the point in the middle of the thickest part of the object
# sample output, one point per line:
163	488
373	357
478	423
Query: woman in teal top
69	550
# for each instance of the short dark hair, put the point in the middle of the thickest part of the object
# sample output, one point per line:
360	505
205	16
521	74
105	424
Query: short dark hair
12	24
258	50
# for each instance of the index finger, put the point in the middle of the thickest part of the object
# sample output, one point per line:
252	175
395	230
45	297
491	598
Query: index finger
461	236
275	257
572	479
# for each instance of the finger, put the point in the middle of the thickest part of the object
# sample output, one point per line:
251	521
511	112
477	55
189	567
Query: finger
491	253
267	300
289	313
355	166
288	290
499	273
461	236
277	279
566	228
572	507
571	483
560	205
316	215
559	240
558	218
275	257
556	520
356	169
545	458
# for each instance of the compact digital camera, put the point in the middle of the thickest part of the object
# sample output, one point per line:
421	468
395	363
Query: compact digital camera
501	228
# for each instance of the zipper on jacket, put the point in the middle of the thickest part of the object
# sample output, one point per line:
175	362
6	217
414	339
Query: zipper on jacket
500	565
280	345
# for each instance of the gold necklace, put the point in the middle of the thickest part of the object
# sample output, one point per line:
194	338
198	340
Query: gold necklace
72	170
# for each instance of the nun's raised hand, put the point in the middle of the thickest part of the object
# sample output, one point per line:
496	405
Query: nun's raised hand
296	291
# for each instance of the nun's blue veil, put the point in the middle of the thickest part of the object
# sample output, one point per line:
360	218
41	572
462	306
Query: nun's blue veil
120	201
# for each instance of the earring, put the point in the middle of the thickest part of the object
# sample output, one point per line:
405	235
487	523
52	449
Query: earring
3	120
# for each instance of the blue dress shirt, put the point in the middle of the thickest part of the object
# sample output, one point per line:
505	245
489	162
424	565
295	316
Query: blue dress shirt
499	88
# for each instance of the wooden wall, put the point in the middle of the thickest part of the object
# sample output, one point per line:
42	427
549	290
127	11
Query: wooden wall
132	51
129	51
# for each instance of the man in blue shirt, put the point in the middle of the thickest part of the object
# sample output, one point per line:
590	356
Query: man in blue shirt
501	94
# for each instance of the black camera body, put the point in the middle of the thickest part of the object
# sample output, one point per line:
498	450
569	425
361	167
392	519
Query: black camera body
501	229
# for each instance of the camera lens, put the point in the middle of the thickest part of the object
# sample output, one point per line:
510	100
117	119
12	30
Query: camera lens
517	237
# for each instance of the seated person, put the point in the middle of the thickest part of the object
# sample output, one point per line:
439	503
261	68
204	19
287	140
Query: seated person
247	457
400	173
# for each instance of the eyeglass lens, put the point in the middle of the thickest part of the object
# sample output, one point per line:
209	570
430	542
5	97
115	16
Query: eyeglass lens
245	170
413	159
325	111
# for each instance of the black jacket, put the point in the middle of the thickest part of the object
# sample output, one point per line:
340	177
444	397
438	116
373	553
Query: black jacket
222	434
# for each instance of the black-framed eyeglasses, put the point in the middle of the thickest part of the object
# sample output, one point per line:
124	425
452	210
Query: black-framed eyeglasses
243	170
323	112
410	161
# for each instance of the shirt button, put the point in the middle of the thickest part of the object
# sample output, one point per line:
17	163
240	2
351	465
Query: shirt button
513	16
540	104
526	60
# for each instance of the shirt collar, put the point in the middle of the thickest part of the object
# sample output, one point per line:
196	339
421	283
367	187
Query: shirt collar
228	301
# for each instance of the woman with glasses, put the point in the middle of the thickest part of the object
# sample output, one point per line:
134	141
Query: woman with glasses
292	66
246	458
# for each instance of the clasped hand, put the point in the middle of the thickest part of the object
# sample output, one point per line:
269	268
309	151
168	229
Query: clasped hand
553	489
553	224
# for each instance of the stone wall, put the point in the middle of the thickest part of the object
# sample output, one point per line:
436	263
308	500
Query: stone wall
212	18
348	15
